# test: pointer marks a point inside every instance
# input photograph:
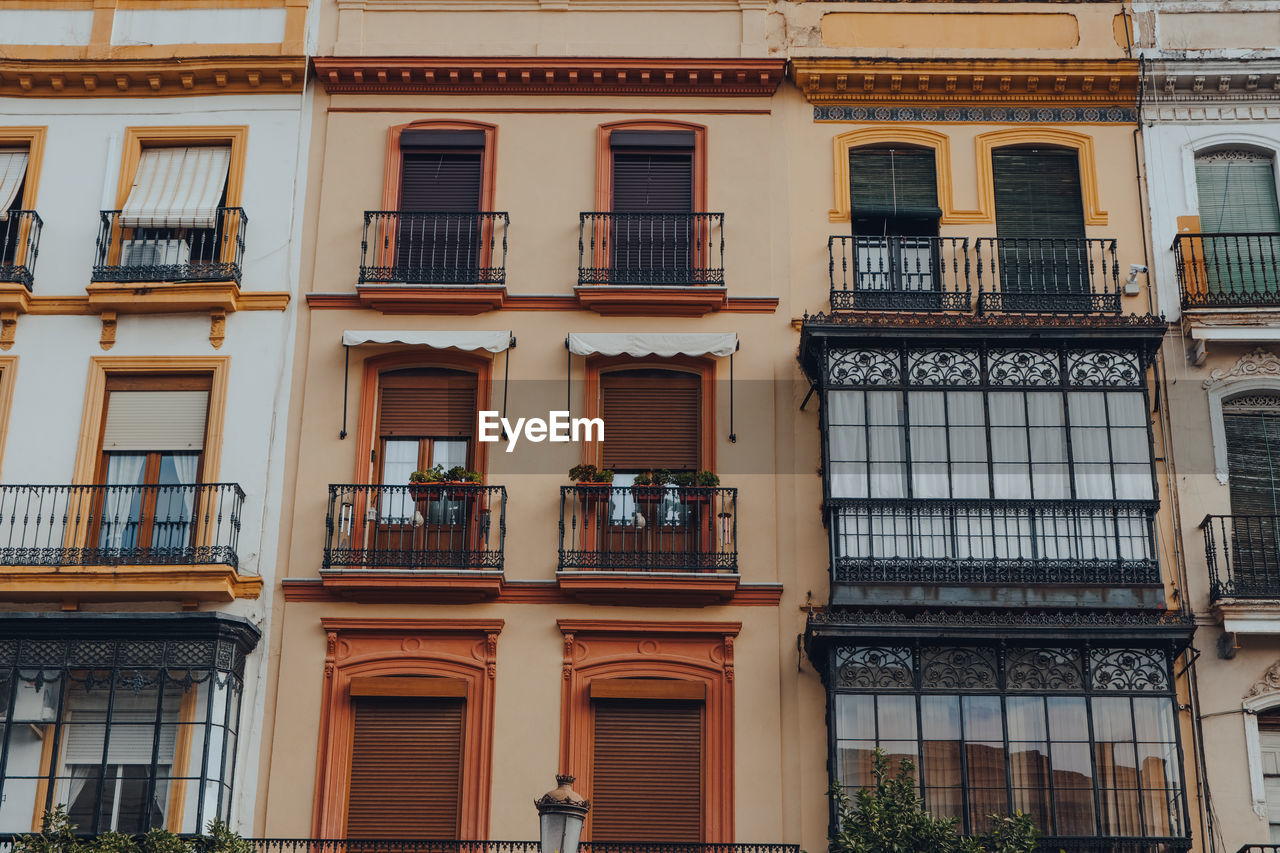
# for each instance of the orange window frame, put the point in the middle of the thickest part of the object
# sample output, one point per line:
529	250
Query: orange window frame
696	653
361	648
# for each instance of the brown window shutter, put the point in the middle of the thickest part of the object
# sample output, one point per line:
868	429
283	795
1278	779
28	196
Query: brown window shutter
427	403
406	768
647	772
441	181
652	420
652	182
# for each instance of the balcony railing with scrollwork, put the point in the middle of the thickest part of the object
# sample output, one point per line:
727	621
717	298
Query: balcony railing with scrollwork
1112	844
648	529
411	247
1259	848
1047	275
899	273
148	253
196	524
946	541
19	245
415	527
1240	270
651	249
1243	555
356	845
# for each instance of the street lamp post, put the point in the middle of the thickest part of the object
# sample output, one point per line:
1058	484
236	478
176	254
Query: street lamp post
560	816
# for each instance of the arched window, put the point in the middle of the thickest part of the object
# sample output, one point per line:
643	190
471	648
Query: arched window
1238	204
1269	747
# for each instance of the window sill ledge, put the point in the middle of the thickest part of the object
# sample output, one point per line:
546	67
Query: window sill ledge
1248	615
649	588
639	301
164	297
432	298
128	583
429	586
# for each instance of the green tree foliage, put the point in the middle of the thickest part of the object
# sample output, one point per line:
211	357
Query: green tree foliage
58	835
889	817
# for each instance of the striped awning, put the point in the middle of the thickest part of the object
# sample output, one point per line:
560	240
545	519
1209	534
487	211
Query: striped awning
13	165
177	187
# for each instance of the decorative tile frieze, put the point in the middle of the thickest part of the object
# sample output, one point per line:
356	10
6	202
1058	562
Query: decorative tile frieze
1020	115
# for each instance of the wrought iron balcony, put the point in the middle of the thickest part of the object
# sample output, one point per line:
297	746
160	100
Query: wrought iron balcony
1239	270
1047	275
1112	844
415	527
165	254
648	529
403	247
187	525
1243	554
1259	848
19	245
1008	542
899	273
651	249
379	845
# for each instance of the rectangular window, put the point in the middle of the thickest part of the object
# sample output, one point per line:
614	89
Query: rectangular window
647	771
97	728
652	228
176	212
653	420
13	176
1046	746
406	767
441	178
1039	224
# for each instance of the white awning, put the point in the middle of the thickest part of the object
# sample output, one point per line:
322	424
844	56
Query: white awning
177	187
492	341
664	345
13	165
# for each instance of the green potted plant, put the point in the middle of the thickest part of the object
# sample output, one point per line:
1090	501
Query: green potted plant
696	486
593	483
649	489
423	484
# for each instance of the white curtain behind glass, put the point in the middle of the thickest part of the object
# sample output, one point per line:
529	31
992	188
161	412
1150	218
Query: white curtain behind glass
120	506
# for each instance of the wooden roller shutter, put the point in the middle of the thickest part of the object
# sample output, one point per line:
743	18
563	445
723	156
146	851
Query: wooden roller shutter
1237	192
653	182
1252	427
897	183
441	181
406	768
1037	193
652	420
426	403
646	772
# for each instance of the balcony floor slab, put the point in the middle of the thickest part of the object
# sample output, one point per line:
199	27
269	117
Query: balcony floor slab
422	586
452	299
651	589
997	595
219	583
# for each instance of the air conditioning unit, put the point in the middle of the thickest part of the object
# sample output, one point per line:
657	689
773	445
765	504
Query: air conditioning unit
155	253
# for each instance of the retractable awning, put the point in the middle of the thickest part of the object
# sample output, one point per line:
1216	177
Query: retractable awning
177	187
13	166
662	345
495	341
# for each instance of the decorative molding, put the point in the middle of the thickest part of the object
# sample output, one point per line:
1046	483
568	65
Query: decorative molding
108	339
217	327
943	85
229	75
517	302
944	114
549	76
518	592
1257	364
1268	683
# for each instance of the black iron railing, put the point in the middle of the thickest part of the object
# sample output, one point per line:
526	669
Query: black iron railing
899	273
433	248
19	245
1243	553
1112	844
128	251
120	525
992	541
1239	270
676	249
648	529
1259	848
1049	275
419	526
351	845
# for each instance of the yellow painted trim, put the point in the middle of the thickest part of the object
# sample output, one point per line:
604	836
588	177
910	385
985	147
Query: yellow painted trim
120	583
199	4
8	377
104	19
984	145
100	367
137	138
149	71
161	297
81	5
33	138
263	300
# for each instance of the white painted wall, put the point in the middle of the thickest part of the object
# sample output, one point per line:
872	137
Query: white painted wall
197	26
45	26
78	177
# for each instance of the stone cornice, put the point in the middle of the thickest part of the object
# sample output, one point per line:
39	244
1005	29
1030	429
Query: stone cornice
549	76
961	83
156	77
1212	89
